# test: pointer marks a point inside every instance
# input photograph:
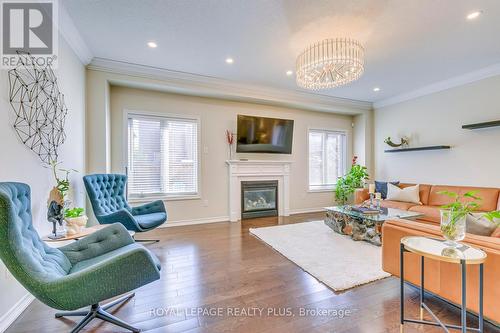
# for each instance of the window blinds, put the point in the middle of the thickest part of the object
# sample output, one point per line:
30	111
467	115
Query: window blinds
326	158
162	156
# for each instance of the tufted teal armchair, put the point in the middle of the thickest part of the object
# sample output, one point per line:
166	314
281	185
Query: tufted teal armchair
105	264
107	196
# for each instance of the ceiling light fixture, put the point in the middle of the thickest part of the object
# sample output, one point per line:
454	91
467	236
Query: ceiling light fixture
376	89
152	45
229	60
474	15
289	73
330	63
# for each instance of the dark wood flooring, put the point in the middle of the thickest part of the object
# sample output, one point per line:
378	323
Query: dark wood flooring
221	267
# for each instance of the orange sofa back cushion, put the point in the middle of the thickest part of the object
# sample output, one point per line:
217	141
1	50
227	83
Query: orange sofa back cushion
489	196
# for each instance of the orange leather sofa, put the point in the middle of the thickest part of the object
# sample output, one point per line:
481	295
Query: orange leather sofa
443	279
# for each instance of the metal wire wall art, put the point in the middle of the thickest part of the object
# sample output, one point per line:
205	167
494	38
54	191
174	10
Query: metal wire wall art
38	106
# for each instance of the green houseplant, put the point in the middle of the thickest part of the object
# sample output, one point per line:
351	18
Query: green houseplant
75	220
346	185
454	214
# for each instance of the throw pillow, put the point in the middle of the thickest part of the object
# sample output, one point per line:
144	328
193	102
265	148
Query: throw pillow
408	194
477	224
381	187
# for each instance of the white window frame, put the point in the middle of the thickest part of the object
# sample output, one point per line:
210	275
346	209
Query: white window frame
344	156
126	115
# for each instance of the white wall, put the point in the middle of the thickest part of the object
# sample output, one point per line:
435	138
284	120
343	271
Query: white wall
217	116
437	120
18	163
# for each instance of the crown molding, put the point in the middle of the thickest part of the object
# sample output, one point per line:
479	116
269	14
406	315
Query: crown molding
456	81
70	33
206	86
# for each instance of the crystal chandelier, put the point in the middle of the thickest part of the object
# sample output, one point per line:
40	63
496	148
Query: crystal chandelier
330	63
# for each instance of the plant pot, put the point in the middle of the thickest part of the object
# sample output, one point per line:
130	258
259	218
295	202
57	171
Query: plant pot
74	225
452	227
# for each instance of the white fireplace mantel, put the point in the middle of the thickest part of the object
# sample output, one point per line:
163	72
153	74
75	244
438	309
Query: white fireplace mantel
255	170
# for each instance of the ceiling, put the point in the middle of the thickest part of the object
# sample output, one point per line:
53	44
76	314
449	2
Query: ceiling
408	44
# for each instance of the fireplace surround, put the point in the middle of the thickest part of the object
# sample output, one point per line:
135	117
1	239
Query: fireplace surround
258	170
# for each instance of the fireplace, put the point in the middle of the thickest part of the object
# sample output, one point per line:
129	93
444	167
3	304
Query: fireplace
259	199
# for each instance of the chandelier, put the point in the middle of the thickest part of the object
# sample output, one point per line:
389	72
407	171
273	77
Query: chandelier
330	63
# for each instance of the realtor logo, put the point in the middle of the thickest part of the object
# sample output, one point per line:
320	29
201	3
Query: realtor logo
29	26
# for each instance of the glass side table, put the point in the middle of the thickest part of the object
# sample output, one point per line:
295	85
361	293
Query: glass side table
436	249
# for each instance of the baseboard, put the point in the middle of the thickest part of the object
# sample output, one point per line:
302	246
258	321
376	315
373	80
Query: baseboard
195	221
7	319
306	210
217	219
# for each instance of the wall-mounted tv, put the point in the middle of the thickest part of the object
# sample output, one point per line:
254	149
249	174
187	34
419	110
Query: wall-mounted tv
264	135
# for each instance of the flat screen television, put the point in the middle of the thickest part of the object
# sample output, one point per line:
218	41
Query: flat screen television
264	135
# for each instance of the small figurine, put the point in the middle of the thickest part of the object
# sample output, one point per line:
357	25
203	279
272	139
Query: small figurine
55	215
404	142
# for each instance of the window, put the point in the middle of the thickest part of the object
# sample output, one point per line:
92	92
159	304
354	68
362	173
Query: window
162	156
327	158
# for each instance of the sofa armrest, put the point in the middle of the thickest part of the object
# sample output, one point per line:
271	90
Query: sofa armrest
425	229
98	243
361	195
157	206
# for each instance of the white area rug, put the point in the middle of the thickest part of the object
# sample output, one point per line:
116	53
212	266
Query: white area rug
334	259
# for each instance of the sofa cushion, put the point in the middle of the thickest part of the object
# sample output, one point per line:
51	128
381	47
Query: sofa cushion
150	221
381	187
477	224
408	194
396	204
489	196
431	213
424	190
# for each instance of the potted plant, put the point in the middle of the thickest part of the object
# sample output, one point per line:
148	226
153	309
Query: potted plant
347	184
454	214
75	220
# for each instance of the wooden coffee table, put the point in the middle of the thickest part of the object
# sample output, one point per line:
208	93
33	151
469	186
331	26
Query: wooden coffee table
366	227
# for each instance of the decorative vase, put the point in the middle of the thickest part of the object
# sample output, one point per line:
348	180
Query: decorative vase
74	225
452	227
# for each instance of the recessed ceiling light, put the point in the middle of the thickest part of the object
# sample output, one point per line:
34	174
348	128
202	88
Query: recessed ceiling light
152	45
229	60
289	73
376	89
474	15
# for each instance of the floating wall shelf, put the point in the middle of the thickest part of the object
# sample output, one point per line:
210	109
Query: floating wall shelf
400	150
487	124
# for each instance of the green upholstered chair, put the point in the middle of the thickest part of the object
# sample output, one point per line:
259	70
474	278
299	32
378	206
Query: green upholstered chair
84	273
107	195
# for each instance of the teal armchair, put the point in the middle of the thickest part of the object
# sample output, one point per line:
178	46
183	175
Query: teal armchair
107	195
84	273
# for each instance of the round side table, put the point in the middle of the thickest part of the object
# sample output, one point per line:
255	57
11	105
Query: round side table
436	249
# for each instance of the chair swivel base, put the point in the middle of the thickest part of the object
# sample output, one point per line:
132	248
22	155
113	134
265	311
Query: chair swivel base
99	312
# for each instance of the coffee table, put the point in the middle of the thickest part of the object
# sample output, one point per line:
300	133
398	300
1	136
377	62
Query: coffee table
366	227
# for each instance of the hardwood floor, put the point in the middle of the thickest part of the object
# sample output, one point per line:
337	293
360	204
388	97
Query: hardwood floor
221	267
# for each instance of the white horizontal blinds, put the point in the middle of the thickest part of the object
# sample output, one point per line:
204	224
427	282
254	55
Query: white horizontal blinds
326	158
181	158
144	156
162	156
